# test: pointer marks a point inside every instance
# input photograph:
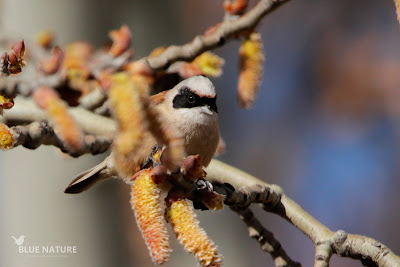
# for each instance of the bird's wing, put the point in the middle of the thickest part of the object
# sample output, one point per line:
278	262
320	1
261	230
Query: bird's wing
158	98
88	178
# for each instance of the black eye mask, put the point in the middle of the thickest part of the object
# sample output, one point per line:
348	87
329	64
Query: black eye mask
188	99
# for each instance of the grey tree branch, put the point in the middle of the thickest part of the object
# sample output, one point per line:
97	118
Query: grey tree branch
25	87
12	87
42	133
26	110
93	100
215	37
239	190
267	240
369	251
104	110
323	253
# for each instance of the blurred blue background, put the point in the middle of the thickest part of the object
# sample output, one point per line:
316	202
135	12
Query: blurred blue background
325	127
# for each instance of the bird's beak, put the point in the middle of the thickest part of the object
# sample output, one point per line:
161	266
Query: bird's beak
206	110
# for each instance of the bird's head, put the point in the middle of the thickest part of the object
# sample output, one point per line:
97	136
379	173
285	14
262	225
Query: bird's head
193	99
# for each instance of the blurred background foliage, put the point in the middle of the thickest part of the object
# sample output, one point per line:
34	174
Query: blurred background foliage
325	127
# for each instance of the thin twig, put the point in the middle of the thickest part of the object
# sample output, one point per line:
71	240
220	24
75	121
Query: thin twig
266	239
59	80
26	110
93	100
369	251
214	37
41	133
21	86
323	253
12	87
104	110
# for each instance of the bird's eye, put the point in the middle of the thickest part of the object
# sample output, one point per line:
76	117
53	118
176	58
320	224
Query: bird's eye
191	99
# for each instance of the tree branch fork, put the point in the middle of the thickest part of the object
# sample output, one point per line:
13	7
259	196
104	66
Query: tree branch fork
273	199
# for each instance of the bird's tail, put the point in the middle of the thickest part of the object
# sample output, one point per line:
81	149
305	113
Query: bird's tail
15	239
88	178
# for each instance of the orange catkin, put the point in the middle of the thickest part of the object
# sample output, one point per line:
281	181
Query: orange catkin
77	55
6	138
44	39
122	39
207	64
235	7
128	109
145	202
48	100
397	3
191	235
251	63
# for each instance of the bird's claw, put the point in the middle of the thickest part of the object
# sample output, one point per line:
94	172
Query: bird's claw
204	185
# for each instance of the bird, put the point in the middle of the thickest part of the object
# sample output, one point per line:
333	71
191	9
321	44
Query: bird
191	108
20	240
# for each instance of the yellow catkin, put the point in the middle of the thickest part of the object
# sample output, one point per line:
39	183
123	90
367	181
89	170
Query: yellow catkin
157	51
235	7
77	55
209	64
69	129
192	237
6	138
44	38
251	65
145	202
122	39
57	109
127	107
397	3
